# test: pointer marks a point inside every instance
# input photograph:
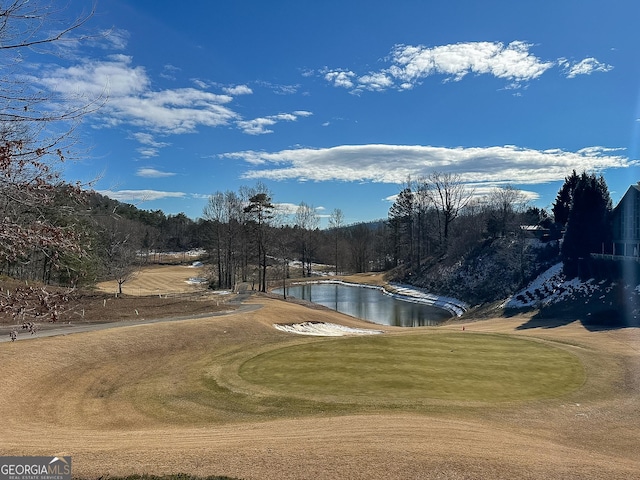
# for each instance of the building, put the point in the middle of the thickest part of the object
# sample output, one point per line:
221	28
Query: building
625	224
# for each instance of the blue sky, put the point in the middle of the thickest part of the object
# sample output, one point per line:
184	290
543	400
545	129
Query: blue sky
337	103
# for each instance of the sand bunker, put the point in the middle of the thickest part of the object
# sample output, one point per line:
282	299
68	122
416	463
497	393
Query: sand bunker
322	329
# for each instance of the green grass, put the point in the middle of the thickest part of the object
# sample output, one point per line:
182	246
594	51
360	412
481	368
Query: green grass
392	370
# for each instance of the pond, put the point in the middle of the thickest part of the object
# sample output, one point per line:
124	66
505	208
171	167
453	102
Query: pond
369	304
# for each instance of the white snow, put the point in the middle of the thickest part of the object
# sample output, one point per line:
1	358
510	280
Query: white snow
322	329
412	294
551	287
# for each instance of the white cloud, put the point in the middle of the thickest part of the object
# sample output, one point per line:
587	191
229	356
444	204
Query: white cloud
340	78
201	84
169	72
151	146
410	65
280	89
395	163
286	208
137	196
481	192
130	98
238	90
115	38
260	126
376	81
512	62
148	172
586	67
148	152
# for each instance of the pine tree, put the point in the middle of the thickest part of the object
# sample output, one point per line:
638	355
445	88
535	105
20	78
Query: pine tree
587	223
401	217
261	212
562	205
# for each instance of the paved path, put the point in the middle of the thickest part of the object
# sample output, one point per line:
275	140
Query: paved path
56	329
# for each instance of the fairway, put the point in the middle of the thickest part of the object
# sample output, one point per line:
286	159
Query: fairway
232	395
412	368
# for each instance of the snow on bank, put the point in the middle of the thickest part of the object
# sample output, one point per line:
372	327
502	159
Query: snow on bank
322	329
413	294
551	287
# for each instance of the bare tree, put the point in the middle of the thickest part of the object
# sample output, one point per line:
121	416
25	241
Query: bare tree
35	137
449	196
120	241
306	223
360	238
224	211
336	222
504	205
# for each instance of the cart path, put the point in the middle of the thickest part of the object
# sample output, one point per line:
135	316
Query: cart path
56	329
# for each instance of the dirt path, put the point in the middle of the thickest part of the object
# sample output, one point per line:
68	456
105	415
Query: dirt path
93	396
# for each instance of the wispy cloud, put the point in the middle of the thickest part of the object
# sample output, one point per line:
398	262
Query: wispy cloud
480	193
148	172
169	72
137	196
280	89
585	67
395	163
409	65
238	90
260	126
151	147
131	99
286	208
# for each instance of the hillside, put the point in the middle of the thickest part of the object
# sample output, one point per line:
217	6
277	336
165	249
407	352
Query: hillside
595	303
491	271
502	277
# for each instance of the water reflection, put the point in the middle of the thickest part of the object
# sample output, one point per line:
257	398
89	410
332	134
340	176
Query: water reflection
369	304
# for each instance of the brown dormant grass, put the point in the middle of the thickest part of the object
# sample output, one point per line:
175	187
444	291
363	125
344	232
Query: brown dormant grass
166	398
158	280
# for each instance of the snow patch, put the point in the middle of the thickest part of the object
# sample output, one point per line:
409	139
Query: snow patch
322	329
410	293
552	287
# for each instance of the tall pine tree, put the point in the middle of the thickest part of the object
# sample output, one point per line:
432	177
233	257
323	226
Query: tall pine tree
401	218
587	224
562	205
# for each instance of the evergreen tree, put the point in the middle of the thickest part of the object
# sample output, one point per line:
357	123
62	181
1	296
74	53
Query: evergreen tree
401	217
261	212
587	224
562	205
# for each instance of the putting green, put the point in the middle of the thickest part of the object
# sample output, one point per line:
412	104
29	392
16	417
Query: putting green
409	368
